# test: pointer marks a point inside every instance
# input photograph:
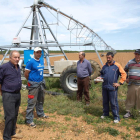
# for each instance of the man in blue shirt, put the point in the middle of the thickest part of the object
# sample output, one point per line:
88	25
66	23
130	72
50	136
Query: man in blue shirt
34	74
83	72
10	85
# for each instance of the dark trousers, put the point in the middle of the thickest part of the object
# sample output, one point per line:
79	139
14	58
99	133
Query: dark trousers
110	96
11	103
83	86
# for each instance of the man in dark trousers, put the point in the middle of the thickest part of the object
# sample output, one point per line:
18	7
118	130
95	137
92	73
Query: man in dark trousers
10	85
110	73
83	72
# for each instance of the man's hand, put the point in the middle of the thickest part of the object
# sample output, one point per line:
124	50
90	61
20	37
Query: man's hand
99	78
116	85
127	80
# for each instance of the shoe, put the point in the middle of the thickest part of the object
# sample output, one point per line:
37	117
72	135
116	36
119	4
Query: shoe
116	121
17	136
102	117
127	115
32	124
45	116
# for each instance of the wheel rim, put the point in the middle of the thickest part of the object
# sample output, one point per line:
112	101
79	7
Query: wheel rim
71	81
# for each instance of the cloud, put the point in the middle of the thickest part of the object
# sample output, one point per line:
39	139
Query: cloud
102	16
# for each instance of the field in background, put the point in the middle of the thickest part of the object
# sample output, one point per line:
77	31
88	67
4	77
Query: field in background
120	57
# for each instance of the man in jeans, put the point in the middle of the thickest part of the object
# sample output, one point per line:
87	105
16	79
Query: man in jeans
10	85
110	73
133	79
83	72
34	74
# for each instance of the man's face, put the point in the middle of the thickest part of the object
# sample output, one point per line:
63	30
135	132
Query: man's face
81	56
109	59
137	57
37	54
14	59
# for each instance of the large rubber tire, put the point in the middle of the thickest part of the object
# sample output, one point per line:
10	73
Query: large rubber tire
68	79
95	69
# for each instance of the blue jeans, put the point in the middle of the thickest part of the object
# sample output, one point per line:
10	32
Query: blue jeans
110	96
11	103
35	99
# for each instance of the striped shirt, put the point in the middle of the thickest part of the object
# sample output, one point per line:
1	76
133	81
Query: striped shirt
133	72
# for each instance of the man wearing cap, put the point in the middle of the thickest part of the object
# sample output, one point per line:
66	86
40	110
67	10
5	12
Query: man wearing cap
36	84
133	79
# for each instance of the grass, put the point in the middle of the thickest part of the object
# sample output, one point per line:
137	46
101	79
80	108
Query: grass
70	108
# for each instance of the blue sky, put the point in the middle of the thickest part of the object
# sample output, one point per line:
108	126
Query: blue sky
117	22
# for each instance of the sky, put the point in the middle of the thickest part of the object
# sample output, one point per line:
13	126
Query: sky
117	22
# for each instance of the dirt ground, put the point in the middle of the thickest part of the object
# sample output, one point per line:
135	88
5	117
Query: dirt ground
74	129
120	57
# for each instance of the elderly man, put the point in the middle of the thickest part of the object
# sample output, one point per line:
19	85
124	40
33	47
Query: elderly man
83	72
133	79
34	74
110	73
10	85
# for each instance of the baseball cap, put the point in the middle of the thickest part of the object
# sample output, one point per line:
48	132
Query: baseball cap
137	51
37	49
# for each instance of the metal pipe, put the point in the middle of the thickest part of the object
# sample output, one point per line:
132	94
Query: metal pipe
52	34
98	55
24	22
4	56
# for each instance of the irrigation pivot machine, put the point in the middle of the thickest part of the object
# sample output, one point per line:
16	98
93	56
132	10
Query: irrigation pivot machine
64	32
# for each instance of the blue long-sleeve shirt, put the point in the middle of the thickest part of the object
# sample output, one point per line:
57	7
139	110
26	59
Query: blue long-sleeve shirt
111	74
83	69
10	78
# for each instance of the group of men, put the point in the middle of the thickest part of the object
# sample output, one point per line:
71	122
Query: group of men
109	75
10	86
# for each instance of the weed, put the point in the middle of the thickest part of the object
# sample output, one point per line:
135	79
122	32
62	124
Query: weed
20	119
67	119
138	137
125	136
112	131
137	129
89	119
77	131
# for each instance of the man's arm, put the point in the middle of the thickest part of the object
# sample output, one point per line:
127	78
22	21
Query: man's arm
89	69
126	68
26	74
123	76
0	90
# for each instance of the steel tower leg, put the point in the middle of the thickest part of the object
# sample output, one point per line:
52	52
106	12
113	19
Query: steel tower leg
24	22
4	56
52	34
43	40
